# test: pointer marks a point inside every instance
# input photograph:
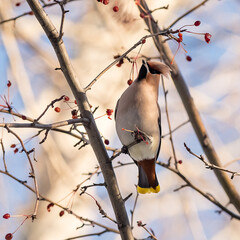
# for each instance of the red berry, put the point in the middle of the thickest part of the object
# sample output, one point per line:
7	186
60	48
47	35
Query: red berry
13	145
207	37
24	117
57	109
15	150
17	4
109	112
66	98
180	35
30	13
188	58
143	41
61	213
129	82
115	8
139	223
75	102
197	23
142	15
9	84
74	112
9	236
105	2
6	216
180	161
49	206
106	141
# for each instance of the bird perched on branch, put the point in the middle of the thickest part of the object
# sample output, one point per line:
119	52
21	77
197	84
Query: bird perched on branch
138	123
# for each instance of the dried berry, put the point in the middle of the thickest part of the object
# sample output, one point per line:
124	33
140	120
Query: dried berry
17	4
57	109
188	58
49	206
9	84
129	82
15	150
9	236
105	2
13	145
24	117
197	23
207	37
6	216
106	141
74	112
180	161
143	41
115	8
61	213
66	98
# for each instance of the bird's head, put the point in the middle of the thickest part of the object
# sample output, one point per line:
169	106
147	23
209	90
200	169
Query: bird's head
153	70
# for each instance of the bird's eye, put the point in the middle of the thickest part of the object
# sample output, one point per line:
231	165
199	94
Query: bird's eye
153	71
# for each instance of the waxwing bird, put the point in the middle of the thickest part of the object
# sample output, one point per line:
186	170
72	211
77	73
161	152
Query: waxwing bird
138	119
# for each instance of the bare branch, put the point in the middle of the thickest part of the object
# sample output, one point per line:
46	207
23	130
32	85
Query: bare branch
91	129
211	166
48	106
88	235
169	125
3	151
188	12
134	207
176	128
45	126
42	198
206	195
192	111
32	173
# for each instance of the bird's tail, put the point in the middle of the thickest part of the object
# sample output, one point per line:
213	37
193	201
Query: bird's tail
147	179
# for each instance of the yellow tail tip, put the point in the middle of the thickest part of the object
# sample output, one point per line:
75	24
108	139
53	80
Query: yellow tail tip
148	190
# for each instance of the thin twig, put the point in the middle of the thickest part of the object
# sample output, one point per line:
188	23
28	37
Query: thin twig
133	210
169	124
50	126
188	12
42	198
50	105
164	33
176	128
193	114
210	165
140	224
61	4
3	151
53	126
103	213
206	195
88	235
32	173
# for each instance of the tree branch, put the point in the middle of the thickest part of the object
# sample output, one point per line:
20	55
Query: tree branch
91	129
192	111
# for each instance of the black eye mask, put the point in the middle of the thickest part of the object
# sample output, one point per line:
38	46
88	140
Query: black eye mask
153	71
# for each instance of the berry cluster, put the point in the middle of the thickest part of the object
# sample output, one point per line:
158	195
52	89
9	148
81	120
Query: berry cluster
106	2
179	39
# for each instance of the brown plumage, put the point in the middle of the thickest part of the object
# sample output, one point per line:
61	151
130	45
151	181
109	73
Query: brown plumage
138	113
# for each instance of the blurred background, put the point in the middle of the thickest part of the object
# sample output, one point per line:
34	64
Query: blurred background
93	35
